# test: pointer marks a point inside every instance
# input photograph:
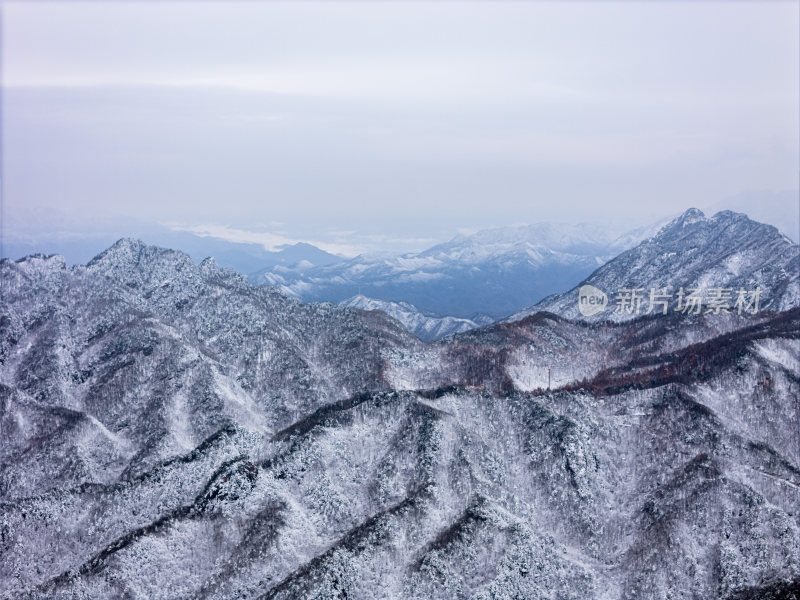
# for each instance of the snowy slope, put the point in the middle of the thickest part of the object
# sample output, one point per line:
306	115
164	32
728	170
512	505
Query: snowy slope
169	431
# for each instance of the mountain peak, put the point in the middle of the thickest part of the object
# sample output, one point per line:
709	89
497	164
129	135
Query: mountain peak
692	215
127	250
134	262
729	215
676	225
694	222
123	247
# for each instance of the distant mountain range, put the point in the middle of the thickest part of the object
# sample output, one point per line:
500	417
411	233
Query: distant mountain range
493	272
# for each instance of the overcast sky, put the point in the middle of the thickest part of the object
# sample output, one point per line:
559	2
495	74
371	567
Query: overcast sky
382	125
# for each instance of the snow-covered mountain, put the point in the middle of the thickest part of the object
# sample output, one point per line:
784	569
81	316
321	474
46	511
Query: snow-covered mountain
169	431
245	257
425	327
728	251
493	272
145	340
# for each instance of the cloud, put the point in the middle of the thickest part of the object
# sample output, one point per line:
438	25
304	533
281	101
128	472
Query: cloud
400	121
272	242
